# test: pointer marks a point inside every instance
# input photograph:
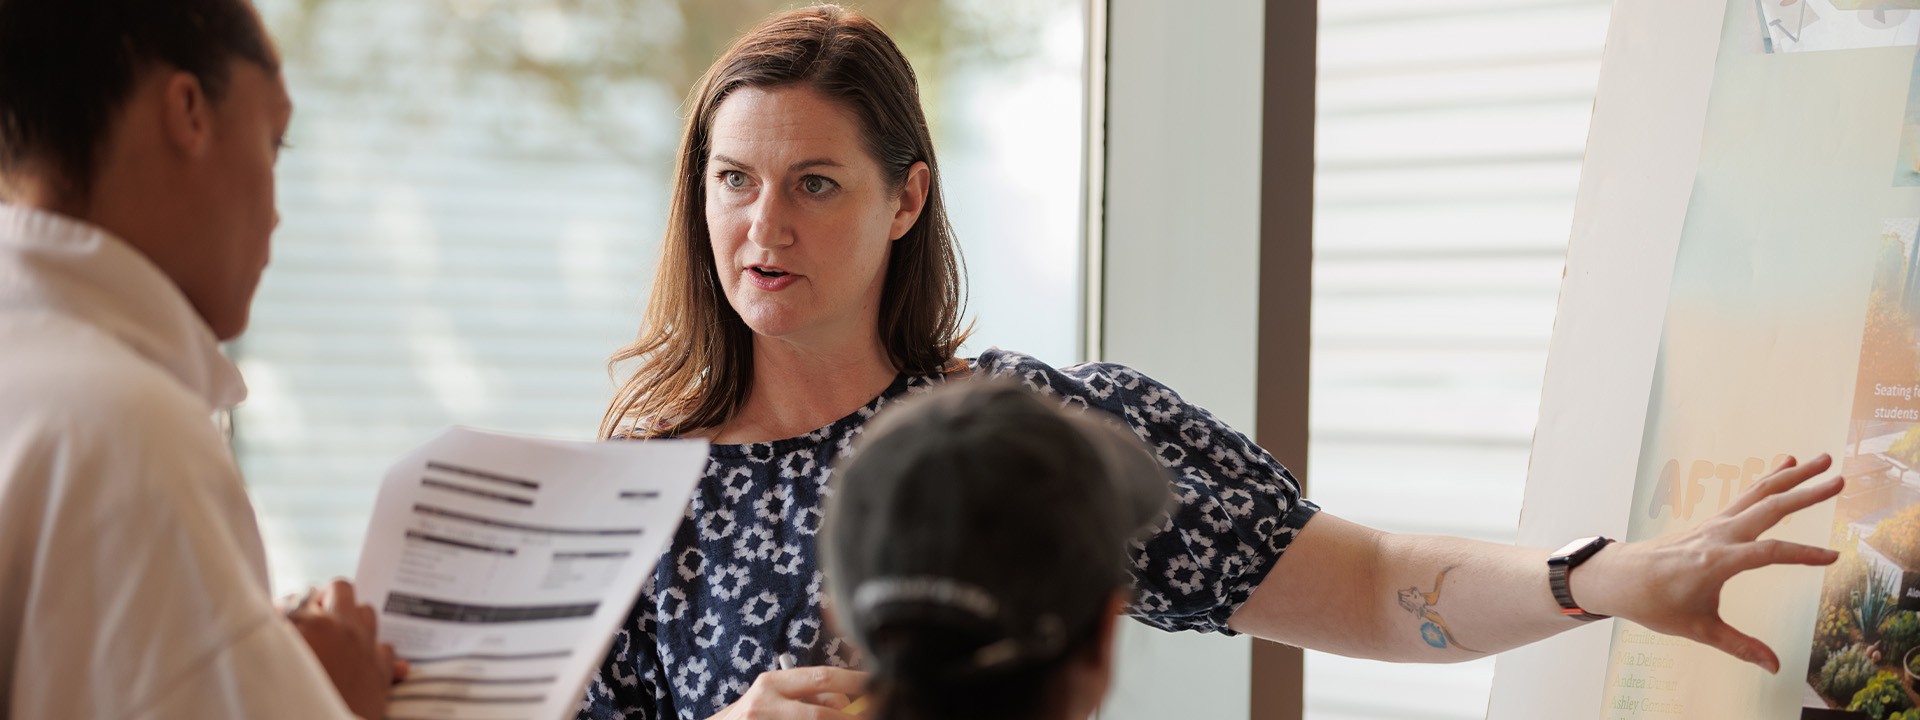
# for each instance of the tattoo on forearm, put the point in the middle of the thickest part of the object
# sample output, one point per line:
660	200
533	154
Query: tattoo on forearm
1433	628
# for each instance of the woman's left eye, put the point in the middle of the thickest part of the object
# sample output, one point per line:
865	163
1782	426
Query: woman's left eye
816	185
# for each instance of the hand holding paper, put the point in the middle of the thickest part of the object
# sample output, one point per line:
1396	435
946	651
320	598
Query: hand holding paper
343	636
501	566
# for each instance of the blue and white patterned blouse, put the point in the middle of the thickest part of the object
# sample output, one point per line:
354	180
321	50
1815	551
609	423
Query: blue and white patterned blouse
741	583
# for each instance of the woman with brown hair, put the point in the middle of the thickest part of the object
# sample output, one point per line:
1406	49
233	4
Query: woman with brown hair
809	279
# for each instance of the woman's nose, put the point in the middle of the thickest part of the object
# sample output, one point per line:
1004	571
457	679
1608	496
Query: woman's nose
769	228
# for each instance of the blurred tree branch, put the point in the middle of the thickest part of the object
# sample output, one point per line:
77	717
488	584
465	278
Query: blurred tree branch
592	61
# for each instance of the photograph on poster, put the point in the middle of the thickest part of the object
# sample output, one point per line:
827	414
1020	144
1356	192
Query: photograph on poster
1906	171
1865	658
1814	25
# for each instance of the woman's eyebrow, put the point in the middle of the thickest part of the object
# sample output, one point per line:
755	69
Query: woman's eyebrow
730	161
796	167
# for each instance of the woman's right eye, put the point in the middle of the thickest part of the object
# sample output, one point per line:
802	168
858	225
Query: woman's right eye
733	178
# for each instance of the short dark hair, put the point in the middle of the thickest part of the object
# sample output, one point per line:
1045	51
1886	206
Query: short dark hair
974	542
67	67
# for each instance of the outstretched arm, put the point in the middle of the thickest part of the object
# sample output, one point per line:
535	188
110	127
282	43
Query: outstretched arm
1348	589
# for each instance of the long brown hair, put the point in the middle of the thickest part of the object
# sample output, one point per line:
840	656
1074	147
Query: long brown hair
694	354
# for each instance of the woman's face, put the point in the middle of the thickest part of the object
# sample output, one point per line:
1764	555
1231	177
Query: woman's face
801	218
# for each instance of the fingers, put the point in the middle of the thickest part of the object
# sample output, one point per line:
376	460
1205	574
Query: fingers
339	600
835	701
1790	474
1779	552
395	667
815	712
1740	645
803	711
338	596
809	693
296	603
401	668
1768	512
810	682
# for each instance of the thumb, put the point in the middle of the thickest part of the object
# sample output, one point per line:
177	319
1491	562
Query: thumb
396	669
1724	638
835	701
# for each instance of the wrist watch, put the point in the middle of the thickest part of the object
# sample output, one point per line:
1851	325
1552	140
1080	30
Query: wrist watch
1563	562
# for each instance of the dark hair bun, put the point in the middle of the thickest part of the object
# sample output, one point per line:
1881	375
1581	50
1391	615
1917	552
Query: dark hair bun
975	541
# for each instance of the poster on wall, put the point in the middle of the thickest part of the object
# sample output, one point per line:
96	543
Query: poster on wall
1792	326
1864	659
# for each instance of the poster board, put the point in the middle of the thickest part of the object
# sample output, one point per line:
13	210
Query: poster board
1745	209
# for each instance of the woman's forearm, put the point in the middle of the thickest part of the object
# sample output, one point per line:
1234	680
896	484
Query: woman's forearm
1448	599
1403	598
1351	590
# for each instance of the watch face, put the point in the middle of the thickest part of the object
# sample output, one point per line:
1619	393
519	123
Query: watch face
1573	547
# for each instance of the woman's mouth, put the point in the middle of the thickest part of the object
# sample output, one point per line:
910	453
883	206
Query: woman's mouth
770	278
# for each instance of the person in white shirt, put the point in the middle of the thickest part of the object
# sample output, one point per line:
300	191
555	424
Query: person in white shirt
137	144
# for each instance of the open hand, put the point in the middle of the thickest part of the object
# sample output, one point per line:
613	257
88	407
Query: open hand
808	693
1672	585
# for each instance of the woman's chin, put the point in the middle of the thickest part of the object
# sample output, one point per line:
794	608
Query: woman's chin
772	322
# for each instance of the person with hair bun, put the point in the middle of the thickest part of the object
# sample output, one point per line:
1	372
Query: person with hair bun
809	279
976	552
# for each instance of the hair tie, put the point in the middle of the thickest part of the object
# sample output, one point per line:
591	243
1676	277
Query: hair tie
1049	636
970	599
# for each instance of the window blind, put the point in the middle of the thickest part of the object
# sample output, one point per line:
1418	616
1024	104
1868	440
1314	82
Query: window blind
1450	137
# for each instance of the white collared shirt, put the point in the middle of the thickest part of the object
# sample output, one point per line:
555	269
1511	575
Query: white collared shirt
133	582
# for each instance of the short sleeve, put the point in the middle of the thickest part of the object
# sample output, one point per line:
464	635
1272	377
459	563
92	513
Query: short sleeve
628	684
1237	509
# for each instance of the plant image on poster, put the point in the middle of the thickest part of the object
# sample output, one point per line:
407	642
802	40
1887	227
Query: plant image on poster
1811	25
1866	633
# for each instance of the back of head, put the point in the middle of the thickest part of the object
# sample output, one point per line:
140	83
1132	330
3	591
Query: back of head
974	545
68	66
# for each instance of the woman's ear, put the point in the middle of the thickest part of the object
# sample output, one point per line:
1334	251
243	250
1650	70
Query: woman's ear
912	199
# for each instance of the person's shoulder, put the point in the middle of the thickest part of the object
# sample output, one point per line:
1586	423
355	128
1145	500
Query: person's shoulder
69	385
73	368
1093	383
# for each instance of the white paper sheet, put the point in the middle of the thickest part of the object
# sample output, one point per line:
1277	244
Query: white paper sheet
501	566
